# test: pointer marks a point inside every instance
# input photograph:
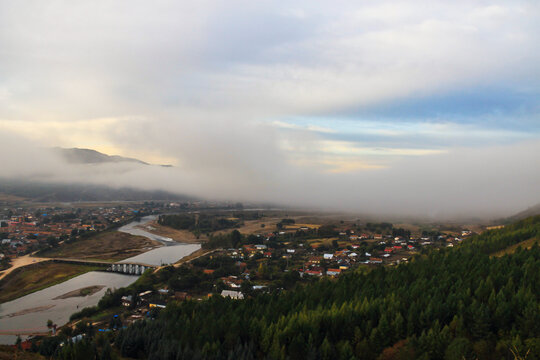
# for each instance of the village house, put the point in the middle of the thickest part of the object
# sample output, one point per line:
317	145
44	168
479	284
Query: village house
313	272
333	272
163	292
232	282
232	294
127	300
156	304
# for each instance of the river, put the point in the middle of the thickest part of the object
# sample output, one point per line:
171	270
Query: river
170	253
32	311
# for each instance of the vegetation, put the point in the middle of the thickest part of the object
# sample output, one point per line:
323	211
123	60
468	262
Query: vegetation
232	240
107	246
35	277
198	223
383	227
527	244
451	304
459	303
4	263
10	353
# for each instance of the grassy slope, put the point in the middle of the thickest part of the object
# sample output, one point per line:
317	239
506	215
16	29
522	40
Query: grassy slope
35	277
108	246
527	244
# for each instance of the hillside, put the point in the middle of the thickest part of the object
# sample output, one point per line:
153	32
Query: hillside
454	303
526	244
11	353
532	211
89	156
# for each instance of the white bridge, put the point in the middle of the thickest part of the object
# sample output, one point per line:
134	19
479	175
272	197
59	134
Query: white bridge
130	268
122	267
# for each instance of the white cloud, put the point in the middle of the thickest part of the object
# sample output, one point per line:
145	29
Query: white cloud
212	86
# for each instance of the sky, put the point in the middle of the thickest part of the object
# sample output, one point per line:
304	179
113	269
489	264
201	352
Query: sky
409	107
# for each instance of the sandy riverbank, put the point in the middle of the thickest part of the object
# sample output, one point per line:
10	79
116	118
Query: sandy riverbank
85	291
181	236
30	311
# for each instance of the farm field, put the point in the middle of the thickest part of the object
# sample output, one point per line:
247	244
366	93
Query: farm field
107	246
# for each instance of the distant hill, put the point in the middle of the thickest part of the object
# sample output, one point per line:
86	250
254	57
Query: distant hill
50	192
533	210
11	190
89	156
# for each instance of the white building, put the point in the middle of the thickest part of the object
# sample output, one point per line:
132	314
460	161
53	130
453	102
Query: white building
232	294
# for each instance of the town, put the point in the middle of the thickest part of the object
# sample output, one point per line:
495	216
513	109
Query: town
273	255
243	254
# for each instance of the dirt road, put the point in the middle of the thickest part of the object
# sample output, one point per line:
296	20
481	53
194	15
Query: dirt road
20	262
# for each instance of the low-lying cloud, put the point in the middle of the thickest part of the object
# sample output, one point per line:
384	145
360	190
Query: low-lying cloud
465	182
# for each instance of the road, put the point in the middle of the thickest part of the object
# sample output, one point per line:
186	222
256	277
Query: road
20	262
187	259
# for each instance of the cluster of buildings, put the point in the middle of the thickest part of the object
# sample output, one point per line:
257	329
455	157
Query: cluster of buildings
24	230
349	251
261	264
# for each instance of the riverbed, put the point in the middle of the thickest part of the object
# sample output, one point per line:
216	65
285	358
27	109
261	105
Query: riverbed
168	254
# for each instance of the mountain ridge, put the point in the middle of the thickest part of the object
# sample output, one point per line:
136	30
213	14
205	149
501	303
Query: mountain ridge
531	211
91	156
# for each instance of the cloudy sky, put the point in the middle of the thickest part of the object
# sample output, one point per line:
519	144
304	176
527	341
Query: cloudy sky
424	107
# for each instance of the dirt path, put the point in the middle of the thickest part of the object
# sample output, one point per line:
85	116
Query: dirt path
189	258
20	262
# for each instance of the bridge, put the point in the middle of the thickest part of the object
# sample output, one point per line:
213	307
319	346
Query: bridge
131	268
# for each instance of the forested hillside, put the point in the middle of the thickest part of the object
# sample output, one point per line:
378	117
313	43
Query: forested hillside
456	303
